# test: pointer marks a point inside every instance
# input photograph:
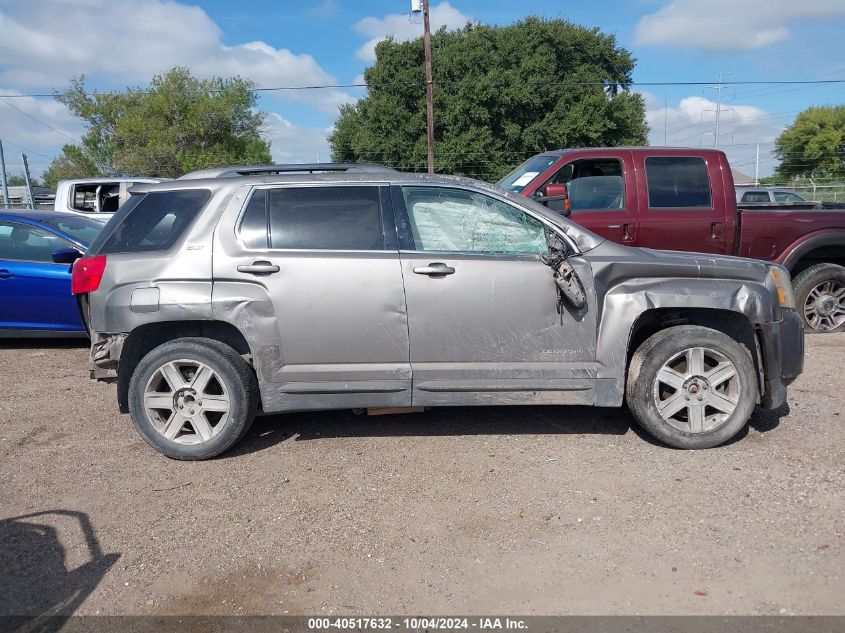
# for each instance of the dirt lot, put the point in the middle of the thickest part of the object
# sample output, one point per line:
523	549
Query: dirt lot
472	511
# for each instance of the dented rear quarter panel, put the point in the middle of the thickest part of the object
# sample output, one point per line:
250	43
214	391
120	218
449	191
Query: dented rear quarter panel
152	287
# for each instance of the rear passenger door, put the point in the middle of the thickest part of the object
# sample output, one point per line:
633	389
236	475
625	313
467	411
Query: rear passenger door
681	208
335	332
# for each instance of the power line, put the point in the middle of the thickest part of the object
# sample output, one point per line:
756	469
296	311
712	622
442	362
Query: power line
421	84
37	120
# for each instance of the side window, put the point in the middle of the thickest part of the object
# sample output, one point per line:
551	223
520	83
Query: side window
22	242
151	222
326	218
755	196
252	228
786	196
455	220
677	182
593	184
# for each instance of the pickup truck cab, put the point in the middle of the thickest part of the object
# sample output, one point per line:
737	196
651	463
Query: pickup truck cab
684	199
771	195
96	198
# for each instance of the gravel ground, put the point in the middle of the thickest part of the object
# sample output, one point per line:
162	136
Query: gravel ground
538	510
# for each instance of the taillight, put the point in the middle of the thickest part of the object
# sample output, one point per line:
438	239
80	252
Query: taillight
87	273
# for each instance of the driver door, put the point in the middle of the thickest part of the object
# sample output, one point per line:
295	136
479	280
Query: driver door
483	318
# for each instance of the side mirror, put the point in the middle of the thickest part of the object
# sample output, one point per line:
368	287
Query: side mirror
66	255
557	245
555	191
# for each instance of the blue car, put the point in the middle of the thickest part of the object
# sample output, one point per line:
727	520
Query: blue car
35	297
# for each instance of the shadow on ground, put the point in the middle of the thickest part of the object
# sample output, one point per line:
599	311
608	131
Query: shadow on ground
44	343
269	430
37	587
440	421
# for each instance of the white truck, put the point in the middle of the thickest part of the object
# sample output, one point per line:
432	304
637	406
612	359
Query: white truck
97	198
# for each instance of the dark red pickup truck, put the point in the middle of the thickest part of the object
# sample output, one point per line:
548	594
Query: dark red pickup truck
684	199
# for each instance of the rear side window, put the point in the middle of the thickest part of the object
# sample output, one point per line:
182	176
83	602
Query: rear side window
321	218
755	196
152	223
677	182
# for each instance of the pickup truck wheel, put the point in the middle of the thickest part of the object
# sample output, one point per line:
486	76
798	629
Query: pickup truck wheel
192	398
691	387
820	298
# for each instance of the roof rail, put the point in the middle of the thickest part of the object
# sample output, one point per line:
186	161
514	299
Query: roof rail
293	168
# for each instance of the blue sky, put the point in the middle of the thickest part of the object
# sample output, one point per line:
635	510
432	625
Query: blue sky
282	43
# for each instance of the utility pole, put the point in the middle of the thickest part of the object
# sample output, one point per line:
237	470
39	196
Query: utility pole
28	181
665	120
757	167
429	102
6	201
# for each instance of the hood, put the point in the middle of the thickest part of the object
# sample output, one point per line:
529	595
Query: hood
646	262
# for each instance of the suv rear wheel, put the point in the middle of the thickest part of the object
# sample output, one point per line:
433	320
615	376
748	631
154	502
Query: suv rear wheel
691	387
192	398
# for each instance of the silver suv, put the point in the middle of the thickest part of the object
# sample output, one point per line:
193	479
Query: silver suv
231	292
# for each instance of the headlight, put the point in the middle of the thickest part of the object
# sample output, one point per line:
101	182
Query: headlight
783	285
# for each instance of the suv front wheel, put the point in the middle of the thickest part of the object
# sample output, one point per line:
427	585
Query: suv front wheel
192	398
691	387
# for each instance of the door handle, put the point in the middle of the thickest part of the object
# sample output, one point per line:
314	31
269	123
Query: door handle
259	268
629	232
437	269
5	274
715	230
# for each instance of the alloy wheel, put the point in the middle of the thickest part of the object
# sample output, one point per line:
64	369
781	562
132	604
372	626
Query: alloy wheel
186	401
697	390
824	308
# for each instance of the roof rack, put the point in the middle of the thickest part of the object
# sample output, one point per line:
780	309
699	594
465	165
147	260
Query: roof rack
293	168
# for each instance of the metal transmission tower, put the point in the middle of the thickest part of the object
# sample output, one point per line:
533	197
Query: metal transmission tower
718	87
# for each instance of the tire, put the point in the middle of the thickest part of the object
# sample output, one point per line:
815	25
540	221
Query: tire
824	311
700	423
198	429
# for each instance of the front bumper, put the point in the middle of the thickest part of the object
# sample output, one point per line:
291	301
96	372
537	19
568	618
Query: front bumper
783	356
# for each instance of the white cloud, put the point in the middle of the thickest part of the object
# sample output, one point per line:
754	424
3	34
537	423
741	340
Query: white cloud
403	27
728	24
691	123
124	41
21	133
293	144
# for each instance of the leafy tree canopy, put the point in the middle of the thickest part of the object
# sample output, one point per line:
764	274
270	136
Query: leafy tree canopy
18	180
813	146
176	125
501	94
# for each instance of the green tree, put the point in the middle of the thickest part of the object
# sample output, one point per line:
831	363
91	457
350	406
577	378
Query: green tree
72	163
813	146
501	94
15	180
175	125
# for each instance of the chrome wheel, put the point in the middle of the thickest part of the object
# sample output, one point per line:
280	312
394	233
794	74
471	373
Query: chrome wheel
186	401
697	390
824	308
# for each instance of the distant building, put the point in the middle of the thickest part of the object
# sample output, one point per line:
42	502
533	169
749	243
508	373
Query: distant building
742	180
